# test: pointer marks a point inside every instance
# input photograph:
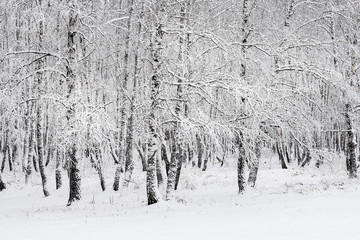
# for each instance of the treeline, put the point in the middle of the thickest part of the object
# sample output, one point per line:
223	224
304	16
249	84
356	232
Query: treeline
172	83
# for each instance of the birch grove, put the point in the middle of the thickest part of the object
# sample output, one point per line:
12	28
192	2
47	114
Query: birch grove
118	87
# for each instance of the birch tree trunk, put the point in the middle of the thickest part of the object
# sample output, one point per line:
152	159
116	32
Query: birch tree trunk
95	159
255	164
39	126
241	163
129	153
151	181
30	153
176	139
58	178
120	164
72	151
351	144
172	167
200	150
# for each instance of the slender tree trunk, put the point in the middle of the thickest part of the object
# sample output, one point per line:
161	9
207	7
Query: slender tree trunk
10	158
172	167
164	157
41	149
30	154
159	171
72	151
280	153
245	31
5	157
241	163
178	170
96	164
200	150
351	144
142	151
58	178
306	158
39	126
120	166
289	12
27	133
151	181
255	164
129	154
207	156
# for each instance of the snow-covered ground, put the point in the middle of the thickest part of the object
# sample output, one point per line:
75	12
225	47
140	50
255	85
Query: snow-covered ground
286	204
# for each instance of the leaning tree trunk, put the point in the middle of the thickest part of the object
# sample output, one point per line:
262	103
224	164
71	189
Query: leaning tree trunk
255	164
72	151
351	144
95	160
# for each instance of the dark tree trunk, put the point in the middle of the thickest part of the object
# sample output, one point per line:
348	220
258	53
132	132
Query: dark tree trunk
289	13
280	153
74	176
199	151
2	184
5	156
297	154
241	163
351	144
10	158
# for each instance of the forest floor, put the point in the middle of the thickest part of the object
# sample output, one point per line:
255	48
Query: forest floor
306	204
